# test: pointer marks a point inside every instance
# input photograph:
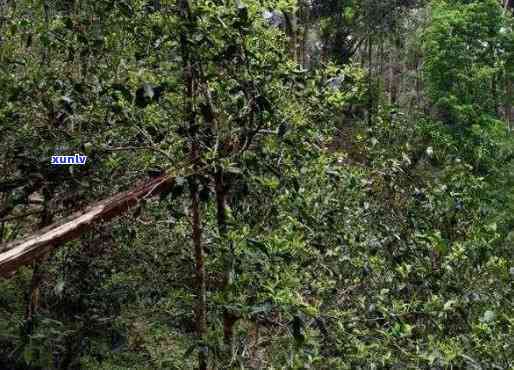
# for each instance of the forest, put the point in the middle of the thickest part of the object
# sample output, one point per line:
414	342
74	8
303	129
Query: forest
256	184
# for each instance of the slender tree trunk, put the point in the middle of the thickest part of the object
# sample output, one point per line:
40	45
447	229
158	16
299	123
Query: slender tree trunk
38	274
229	318
402	67
507	5
46	11
303	20
190	77
201	304
419	82
299	34
46	219
381	58
305	39
33	295
392	77
508	101
494	93
291	31
370	80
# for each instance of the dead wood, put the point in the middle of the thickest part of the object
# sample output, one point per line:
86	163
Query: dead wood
19	253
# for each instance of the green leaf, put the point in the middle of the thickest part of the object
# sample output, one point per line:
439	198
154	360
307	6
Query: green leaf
28	355
233	169
489	316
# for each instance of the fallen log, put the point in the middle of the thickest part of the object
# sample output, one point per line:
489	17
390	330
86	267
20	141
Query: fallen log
22	252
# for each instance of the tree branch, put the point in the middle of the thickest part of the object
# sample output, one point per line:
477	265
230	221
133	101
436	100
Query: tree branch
17	254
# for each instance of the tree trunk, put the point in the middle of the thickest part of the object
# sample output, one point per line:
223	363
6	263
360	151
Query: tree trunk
306	55
33	295
392	77
38	273
291	31
190	79
46	11
508	101
419	83
494	94
303	19
201	304
229	318
381	58
370	80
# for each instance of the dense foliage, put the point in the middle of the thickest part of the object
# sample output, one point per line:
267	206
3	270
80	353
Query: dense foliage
344	192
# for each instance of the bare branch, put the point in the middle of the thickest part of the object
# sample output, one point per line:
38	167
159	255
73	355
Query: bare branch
20	253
